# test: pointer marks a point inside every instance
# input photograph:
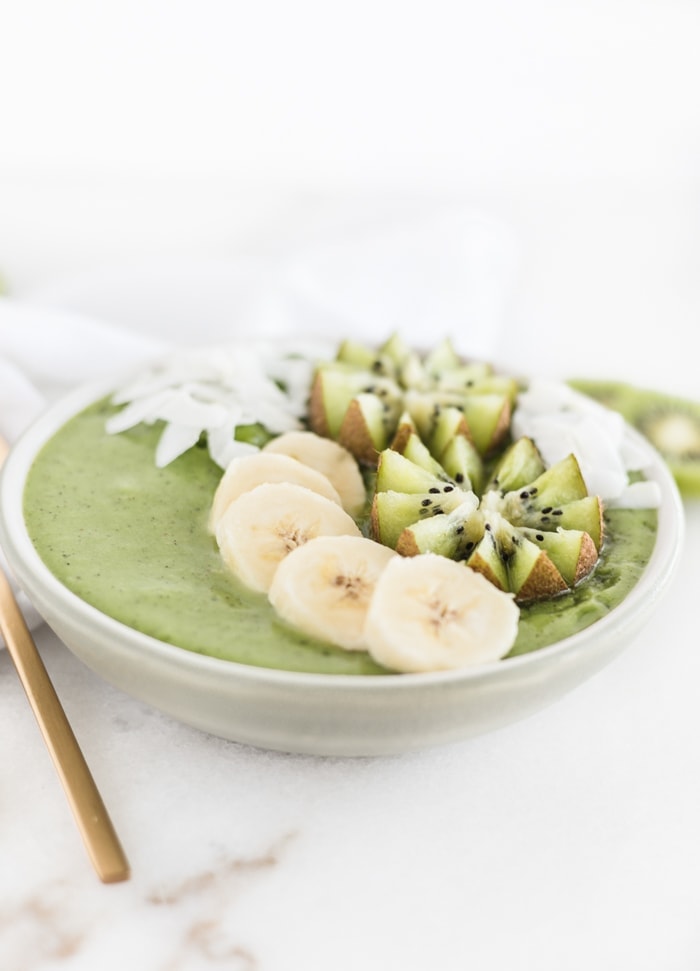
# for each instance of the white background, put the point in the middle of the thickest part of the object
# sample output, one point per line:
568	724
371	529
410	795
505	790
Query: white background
136	130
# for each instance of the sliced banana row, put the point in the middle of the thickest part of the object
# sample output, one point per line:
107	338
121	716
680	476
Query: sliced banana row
317	463
330	459
263	526
246	472
294	540
325	588
429	613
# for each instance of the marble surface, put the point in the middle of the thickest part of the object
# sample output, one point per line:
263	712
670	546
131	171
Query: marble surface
567	841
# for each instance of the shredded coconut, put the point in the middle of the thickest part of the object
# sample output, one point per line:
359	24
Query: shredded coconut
212	391
561	420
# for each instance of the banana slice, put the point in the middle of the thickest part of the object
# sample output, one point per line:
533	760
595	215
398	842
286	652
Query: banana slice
248	471
328	457
324	587
264	524
429	613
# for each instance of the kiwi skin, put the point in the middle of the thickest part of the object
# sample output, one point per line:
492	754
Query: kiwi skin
669	422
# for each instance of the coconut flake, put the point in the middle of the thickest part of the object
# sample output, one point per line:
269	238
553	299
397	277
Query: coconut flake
211	391
561	420
175	440
223	447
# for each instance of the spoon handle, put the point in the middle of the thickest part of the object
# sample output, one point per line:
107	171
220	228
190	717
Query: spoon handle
88	808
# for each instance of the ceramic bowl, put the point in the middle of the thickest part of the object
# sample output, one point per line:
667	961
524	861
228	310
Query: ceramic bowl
314	713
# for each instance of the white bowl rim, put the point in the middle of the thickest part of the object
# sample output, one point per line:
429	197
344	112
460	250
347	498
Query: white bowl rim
26	562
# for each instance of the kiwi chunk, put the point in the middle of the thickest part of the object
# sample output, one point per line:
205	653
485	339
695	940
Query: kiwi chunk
488	560
454	534
561	483
532	575
442	358
671	423
445	476
393	511
447	423
397	473
572	551
354	353
405	428
367	425
536	541
335	388
556	499
412	391
519	465
415	450
488	417
463	463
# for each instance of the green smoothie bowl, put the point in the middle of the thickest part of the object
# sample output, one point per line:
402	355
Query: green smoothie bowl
113	520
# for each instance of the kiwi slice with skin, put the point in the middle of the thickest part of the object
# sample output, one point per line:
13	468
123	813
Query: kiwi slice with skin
397	473
559	484
532	574
488	560
367	425
464	377
572	551
670	423
535	541
516	564
448	422
463	463
584	514
453	534
434	432
363	357
415	450
337	385
404	429
488	418
443	357
393	511
556	499
369	397
519	465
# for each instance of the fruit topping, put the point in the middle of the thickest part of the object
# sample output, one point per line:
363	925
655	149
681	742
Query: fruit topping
671	423
247	471
366	399
231	398
417	511
404	503
324	587
263	525
429	613
330	459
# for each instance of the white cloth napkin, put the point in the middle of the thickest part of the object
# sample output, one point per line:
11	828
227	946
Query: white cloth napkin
447	273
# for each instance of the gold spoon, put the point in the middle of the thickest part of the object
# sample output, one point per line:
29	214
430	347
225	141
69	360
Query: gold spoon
95	826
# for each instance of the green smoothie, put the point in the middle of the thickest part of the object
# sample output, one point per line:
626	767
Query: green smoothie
131	540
